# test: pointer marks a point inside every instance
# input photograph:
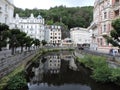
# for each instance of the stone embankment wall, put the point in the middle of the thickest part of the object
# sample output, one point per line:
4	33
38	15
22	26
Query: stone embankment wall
10	63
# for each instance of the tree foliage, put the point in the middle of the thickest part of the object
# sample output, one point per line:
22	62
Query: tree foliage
44	42
114	34
3	35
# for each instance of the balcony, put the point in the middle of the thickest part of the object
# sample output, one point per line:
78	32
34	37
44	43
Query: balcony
104	33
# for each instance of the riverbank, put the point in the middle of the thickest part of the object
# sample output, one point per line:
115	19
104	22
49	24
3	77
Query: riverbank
101	71
20	67
24	64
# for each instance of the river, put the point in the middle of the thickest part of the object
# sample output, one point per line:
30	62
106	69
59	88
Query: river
59	71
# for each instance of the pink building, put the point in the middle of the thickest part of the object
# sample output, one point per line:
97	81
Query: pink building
104	12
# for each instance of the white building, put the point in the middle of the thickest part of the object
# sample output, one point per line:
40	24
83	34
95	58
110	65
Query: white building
80	36
6	11
33	26
67	42
53	34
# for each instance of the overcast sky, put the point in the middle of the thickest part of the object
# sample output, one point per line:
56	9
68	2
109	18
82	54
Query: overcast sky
46	4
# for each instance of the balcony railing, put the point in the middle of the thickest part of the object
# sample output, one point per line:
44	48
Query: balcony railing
104	33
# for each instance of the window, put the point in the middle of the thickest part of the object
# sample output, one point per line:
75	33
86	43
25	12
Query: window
104	30
15	26
21	26
6	6
31	27
58	41
107	43
105	15
0	9
5	19
101	41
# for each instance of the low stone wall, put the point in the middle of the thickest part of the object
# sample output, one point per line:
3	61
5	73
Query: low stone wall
10	63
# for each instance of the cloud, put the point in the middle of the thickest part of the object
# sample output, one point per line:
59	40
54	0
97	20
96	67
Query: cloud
46	4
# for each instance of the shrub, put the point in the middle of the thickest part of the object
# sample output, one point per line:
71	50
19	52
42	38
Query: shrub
115	76
17	82
101	71
102	74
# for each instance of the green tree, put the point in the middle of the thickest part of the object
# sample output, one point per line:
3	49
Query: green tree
29	42
3	35
21	39
44	42
13	39
36	42
114	34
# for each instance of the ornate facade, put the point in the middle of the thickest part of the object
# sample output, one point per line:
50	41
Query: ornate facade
33	26
6	11
104	12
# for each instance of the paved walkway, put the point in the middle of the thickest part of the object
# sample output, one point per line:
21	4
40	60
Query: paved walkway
5	53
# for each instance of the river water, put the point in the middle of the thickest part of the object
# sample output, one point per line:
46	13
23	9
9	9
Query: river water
59	71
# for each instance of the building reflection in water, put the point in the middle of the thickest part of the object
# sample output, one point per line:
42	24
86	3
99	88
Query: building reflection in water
53	63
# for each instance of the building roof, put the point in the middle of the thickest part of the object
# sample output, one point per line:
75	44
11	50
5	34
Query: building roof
39	17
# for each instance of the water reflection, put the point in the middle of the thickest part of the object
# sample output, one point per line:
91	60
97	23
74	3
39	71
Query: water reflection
53	64
59	71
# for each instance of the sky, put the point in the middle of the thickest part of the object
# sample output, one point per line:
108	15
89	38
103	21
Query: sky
46	4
